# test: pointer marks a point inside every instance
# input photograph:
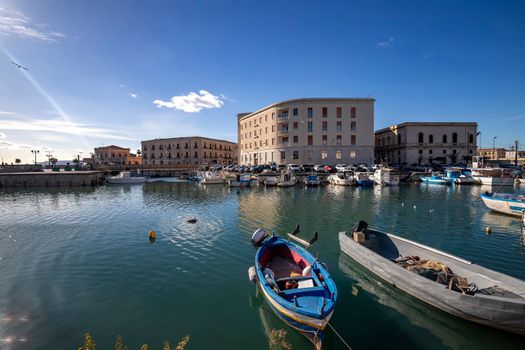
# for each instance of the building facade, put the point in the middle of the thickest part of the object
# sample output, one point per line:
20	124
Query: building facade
493	153
194	150
111	155
308	131
426	143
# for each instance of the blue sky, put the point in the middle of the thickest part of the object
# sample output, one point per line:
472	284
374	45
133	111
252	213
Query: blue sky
105	72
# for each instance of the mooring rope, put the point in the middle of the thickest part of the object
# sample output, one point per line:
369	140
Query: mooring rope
339	336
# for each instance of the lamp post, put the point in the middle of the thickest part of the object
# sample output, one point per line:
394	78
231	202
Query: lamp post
35	152
494	148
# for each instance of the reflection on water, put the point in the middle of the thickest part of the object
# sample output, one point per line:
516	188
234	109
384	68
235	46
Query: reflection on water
74	260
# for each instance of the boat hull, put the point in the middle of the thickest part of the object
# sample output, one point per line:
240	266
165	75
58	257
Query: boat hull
495	181
212	181
431	181
502	313
286	183
126	181
504	205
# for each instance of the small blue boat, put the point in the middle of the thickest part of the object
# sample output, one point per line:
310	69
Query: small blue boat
295	284
363	179
436	179
505	203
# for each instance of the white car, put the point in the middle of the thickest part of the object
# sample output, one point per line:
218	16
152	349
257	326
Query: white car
343	168
294	167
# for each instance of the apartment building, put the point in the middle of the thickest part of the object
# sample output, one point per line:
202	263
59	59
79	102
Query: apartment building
308	131
426	143
195	150
493	153
111	155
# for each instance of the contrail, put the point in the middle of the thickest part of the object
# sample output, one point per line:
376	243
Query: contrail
47	96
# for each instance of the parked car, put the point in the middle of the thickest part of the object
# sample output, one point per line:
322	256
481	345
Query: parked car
294	167
343	168
319	168
280	167
307	168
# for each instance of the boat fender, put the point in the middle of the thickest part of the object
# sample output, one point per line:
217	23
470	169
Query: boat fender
307	271
258	237
252	274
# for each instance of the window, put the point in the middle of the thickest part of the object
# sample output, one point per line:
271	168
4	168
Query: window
399	138
444	138
325	140
352	126
453	151
295	125
152	147
430	138
420	151
284	127
283	155
420	137
266	118
455	138
324	154
266	130
273	128
310	112
353	154
310	140
295	155
195	145
273	141
471	138
338	154
325	112
353	112
429	151
196	155
339	112
352	140
444	151
339	126
310	126
295	139
338	140
273	116
325	126
295	111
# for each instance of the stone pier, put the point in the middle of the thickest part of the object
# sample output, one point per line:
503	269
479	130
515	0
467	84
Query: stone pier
52	179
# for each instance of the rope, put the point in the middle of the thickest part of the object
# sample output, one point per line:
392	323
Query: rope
339	336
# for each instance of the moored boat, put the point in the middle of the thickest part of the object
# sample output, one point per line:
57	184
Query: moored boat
493	176
504	203
212	178
286	179
436	179
387	177
444	281
125	177
312	180
295	284
363	179
341	179
241	181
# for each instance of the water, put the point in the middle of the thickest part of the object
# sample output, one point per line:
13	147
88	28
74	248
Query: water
79	260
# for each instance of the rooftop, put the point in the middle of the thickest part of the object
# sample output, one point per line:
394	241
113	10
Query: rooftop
188	137
397	126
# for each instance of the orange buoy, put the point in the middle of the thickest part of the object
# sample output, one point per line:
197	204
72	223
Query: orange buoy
152	234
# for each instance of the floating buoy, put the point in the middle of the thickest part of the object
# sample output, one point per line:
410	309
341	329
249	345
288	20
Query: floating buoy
431	211
252	274
414	207
403	204
488	230
152	234
191	220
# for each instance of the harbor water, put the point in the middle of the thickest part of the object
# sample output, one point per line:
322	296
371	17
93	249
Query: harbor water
79	260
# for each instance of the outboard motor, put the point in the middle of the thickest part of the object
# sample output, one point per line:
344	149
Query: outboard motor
258	237
360	227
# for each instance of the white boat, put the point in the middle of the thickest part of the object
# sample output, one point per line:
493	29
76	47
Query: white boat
125	178
212	178
510	204
241	181
341	179
312	180
270	181
286	179
493	176
464	180
439	279
387	177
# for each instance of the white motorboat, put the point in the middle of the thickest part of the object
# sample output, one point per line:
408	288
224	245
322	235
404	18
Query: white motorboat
212	178
287	179
493	176
341	179
241	181
270	181
464	180
505	203
387	177
125	178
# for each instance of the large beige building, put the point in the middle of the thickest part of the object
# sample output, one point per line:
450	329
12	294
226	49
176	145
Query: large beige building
111	155
426	143
308	131
193	150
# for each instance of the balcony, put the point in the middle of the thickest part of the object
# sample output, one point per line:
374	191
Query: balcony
282	132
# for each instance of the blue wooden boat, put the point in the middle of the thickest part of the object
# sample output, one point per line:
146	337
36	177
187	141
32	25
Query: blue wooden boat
436	179
505	203
363	179
295	284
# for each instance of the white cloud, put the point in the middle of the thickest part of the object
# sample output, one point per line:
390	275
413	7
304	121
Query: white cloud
192	102
15	23
133	95
4	144
385	44
2	135
60	126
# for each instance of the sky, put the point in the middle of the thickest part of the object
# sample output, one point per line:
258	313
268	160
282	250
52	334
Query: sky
118	72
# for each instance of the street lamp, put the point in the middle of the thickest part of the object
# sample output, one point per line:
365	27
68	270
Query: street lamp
494	147
35	152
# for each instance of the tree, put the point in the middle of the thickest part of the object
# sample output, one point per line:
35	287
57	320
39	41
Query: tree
18	161
75	161
453	157
53	160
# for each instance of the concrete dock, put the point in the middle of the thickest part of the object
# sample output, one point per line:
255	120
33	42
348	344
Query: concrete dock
52	179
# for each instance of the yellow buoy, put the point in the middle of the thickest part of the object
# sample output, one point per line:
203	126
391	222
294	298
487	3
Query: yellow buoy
152	234
488	230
